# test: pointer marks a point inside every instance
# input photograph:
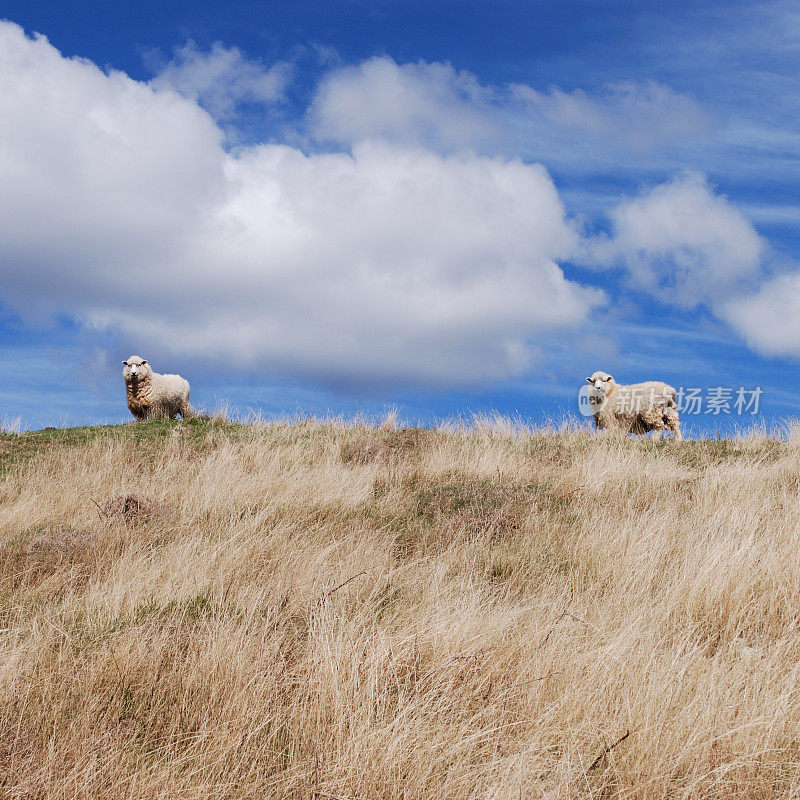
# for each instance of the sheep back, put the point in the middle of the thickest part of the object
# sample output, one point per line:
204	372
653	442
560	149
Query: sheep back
159	396
640	408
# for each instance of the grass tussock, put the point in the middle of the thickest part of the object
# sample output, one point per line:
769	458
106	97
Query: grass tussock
207	610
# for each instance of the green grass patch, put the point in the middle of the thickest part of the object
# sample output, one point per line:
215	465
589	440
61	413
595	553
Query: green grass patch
17	449
702	453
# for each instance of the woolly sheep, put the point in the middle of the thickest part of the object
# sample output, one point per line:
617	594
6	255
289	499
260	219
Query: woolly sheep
635	408
153	396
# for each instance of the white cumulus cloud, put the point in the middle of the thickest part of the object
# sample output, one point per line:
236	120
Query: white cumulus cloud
421	103
122	210
683	243
769	318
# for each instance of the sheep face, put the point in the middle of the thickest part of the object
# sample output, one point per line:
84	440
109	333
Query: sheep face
601	382
136	369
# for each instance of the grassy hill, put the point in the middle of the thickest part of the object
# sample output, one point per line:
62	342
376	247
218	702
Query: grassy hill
207	610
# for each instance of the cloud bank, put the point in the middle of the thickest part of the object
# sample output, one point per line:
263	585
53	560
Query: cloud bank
386	263
414	254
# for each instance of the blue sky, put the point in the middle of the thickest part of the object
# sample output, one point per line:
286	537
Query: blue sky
449	207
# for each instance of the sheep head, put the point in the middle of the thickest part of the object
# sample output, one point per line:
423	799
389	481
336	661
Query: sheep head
136	369
601	381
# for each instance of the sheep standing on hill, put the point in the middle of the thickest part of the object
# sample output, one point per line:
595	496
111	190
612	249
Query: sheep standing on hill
154	396
634	408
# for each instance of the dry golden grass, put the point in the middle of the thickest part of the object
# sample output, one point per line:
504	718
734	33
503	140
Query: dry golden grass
309	610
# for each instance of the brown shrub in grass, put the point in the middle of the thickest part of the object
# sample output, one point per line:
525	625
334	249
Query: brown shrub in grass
485	614
132	508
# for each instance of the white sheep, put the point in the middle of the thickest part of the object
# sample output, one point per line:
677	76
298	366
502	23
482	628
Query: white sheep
154	396
634	408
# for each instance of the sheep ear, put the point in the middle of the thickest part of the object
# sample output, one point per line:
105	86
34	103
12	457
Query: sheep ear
144	362
588	380
125	363
610	378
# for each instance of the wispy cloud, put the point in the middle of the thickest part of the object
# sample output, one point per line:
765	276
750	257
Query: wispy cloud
438	106
221	79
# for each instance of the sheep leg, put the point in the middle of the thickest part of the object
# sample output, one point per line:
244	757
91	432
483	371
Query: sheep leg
657	433
673	423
